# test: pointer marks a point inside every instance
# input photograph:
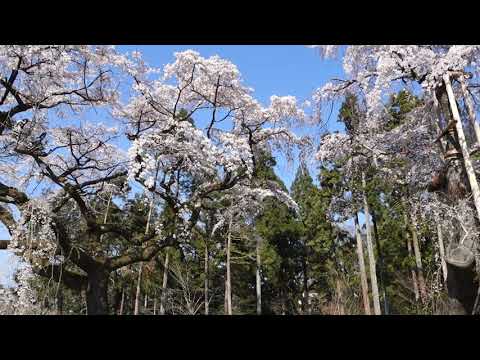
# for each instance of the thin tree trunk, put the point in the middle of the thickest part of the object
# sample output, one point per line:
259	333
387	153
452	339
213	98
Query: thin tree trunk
442	145
105	218
341	307
84	297
155	304
164	283
228	283
306	293
371	254
441	248
206	300
382	266
139	280
60	301
470	108
258	278
418	258
122	302
137	293
412	270
361	264
146	302
133	297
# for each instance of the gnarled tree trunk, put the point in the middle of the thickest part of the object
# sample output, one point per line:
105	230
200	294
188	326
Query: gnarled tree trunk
97	291
460	182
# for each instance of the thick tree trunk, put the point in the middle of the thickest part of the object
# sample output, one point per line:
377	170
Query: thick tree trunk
228	280
206	300
462	284
461	292
117	298
363	272
472	179
163	297
97	290
371	254
258	277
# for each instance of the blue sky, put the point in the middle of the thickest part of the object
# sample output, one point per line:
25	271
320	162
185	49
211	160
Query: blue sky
270	69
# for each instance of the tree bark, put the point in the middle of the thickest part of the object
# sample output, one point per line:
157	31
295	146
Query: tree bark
463	145
258	277
371	254
470	108
462	283
164	283
137	293
206	300
412	270
122	302
418	258
441	248
4	244
361	264
228	283
97	291
139	280
339	291
382	266
60	301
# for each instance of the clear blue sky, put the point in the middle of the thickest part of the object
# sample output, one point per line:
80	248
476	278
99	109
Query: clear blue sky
270	69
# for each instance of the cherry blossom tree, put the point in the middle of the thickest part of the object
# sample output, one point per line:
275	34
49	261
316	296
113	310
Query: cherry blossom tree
432	140
64	123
